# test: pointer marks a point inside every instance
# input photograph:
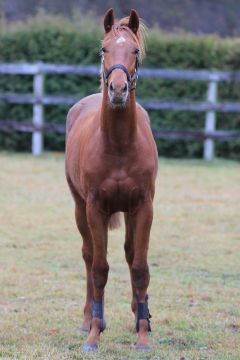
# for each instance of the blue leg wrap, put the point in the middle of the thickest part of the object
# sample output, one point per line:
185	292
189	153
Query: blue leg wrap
98	312
143	313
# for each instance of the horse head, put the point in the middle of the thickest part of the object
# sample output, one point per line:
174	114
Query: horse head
121	49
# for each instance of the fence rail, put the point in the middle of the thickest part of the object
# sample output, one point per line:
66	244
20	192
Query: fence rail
163	134
150	104
174	74
38	99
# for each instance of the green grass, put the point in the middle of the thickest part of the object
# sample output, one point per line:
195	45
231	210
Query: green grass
193	258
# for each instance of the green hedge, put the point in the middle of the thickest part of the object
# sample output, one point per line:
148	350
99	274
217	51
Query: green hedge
56	40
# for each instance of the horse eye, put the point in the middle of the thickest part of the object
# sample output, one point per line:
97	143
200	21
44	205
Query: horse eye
103	50
136	51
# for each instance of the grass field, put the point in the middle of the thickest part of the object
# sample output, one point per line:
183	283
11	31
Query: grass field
194	260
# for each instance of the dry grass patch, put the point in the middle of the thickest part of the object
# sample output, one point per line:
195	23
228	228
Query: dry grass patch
193	257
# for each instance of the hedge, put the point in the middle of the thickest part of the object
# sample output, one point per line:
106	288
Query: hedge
57	40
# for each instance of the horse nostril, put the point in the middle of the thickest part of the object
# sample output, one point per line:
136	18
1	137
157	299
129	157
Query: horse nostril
111	86
125	88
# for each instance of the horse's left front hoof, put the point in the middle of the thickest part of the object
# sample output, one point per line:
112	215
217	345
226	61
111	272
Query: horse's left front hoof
83	329
142	348
89	347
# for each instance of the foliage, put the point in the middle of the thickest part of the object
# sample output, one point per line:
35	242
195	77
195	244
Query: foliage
221	16
54	39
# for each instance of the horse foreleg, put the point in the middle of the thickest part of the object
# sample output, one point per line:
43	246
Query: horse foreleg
140	272
98	224
129	255
87	253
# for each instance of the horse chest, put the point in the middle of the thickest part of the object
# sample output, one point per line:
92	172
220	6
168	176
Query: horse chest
119	195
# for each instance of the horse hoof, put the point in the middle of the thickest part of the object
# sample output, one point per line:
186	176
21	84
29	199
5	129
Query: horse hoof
103	325
84	330
142	348
89	347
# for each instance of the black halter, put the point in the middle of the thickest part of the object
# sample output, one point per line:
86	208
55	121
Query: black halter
132	79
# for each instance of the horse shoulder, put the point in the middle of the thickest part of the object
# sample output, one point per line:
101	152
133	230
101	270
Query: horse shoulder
147	142
144	125
144	113
82	110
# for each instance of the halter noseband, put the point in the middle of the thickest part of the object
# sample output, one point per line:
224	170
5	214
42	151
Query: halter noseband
132	79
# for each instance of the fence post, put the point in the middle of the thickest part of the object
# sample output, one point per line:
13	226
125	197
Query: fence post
37	136
210	119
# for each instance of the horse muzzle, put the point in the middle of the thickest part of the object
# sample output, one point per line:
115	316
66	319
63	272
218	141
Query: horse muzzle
118	94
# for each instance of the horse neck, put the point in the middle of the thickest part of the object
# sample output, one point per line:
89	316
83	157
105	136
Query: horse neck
118	125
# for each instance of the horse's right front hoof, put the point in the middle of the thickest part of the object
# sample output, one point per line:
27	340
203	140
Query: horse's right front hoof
142	348
84	330
103	325
89	347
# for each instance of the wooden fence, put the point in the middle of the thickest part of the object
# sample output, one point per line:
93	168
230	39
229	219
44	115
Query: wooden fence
38	99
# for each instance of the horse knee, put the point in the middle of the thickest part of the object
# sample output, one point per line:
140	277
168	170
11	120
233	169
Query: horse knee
100	275
140	276
87	255
82	228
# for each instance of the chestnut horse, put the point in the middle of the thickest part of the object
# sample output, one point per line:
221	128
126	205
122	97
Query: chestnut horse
111	166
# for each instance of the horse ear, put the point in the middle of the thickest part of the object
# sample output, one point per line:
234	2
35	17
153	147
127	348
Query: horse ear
133	23
108	20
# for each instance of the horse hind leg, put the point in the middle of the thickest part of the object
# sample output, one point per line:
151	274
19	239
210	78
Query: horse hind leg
87	253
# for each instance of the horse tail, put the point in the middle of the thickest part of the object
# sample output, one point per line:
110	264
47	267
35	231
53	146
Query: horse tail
115	221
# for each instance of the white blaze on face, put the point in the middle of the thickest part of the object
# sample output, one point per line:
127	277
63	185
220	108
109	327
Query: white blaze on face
120	40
